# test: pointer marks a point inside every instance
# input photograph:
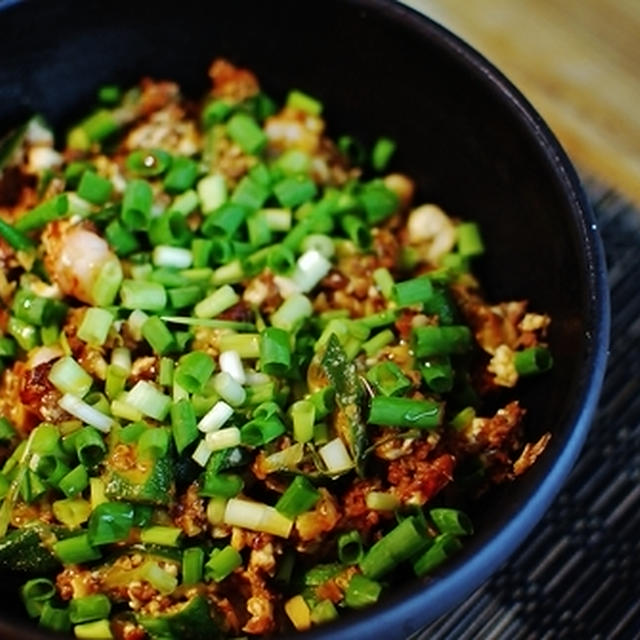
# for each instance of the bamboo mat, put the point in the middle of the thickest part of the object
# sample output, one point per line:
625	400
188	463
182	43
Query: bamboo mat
578	63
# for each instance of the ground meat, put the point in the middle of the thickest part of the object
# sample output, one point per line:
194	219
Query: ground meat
356	513
495	325
232	82
259	605
39	396
144	368
530	454
189	513
419	477
313	525
75	582
156	95
239	312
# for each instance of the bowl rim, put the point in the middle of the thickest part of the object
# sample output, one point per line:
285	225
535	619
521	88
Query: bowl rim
416	605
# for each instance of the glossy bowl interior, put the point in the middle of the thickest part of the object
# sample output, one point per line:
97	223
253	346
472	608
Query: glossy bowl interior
468	137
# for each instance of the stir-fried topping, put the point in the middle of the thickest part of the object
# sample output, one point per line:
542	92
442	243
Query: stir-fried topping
245	376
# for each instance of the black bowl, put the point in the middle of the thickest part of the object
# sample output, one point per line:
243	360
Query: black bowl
472	141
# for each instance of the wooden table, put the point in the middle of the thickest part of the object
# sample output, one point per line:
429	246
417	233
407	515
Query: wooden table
577	61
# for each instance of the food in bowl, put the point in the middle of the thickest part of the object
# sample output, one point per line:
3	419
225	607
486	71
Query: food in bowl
246	378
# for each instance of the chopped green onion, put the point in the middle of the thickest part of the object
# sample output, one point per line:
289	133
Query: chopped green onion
440	341
164	536
223	438
532	360
443	547
148	162
225	219
94	188
172	230
323	612
153	443
177	257
299	497
451	521
74	482
221	563
96	630
192	565
35	593
37	310
193	371
25	334
221	485
352	149
261	431
381	319
68	376
121	239
15	238
381	153
378	201
215	417
405	412
149	296
357	230
229	389
181	175
159	578
76	407
304	102
90	447
48	211
295	190
183	424
381	501
246	345
275	351
438	374
136	205
96	127
156	333
228	273
463	418
110	522
89	608
148	400
256	516
212	191
231	363
469	240
182	297
388	379
303	413
400	544
246	132
250	194
54	618
361	592
217	302
292	312
374	345
414	291
95	326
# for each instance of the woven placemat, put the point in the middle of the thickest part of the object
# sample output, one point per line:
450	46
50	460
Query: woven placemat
578	574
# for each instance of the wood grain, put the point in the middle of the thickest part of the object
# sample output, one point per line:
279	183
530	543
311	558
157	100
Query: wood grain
577	61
